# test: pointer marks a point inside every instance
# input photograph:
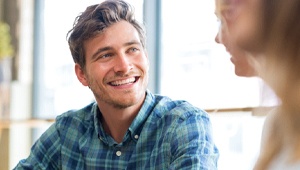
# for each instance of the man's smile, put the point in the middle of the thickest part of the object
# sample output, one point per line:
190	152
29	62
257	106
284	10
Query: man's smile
124	82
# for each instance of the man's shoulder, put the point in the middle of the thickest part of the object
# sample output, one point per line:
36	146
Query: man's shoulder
77	117
181	108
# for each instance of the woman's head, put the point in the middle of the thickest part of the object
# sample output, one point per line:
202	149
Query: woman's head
269	31
94	20
225	36
242	19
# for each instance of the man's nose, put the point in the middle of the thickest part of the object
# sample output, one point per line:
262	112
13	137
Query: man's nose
123	63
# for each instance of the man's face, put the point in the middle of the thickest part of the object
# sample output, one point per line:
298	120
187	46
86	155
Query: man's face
239	57
116	66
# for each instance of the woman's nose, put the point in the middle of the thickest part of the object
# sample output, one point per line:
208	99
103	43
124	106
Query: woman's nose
217	38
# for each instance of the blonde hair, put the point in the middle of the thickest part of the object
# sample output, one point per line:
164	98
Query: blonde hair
282	73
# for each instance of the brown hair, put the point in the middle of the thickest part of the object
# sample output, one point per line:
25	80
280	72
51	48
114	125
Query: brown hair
94	20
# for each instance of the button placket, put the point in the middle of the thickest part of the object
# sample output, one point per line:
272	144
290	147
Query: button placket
118	153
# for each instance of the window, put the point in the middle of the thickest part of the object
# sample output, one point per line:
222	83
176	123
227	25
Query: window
189	65
186	63
195	68
58	89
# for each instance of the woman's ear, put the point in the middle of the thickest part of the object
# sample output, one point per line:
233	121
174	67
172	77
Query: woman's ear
81	75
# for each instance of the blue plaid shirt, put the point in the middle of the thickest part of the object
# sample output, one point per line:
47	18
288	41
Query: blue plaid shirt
166	134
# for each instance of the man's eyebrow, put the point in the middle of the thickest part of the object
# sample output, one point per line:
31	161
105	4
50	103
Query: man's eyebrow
100	50
132	43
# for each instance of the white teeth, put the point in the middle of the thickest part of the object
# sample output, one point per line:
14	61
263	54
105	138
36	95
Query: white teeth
122	82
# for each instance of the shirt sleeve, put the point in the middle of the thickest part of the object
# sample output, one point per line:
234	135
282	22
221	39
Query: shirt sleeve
45	153
192	145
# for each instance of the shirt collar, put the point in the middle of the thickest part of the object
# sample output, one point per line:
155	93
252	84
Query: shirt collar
136	125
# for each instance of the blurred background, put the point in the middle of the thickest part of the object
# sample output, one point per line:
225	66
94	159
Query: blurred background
37	79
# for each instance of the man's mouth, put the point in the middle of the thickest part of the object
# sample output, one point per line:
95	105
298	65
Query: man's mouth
124	82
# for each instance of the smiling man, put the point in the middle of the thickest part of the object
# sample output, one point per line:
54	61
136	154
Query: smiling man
127	127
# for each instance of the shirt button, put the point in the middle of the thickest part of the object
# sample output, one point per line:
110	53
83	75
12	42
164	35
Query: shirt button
136	136
118	153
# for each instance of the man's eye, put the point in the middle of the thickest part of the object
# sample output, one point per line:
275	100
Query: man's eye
105	55
133	49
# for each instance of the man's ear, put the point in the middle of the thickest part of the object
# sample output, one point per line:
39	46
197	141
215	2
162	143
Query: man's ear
81	75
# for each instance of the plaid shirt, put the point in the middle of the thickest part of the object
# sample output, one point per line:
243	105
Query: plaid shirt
166	134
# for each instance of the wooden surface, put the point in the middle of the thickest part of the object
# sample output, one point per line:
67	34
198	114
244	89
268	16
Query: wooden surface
30	123
255	111
33	123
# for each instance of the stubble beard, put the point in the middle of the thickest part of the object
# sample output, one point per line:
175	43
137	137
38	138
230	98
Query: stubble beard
121	104
103	96
117	103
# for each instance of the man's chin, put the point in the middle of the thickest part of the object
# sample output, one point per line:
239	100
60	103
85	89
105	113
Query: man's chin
125	102
122	105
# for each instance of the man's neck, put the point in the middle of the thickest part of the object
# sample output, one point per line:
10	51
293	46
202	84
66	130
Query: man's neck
116	122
